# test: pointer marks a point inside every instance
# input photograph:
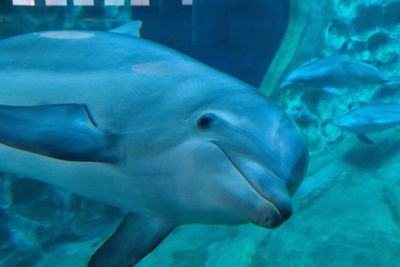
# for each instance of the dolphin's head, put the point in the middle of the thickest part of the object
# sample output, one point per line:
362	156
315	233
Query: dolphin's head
295	79
264	154
315	73
219	155
357	121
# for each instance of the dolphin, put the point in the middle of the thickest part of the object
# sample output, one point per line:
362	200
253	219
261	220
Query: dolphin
370	118
141	127
334	74
132	28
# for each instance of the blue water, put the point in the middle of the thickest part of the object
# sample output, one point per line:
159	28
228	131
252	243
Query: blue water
347	210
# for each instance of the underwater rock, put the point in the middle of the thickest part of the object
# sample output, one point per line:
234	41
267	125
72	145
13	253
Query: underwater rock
340	31
359	49
330	132
369	18
377	40
391	18
384	47
345	7
305	118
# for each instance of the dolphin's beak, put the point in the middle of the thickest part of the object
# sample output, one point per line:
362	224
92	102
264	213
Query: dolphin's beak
272	189
285	85
273	159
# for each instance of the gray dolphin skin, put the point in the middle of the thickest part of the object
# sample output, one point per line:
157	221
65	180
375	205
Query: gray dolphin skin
371	118
138	126
334	74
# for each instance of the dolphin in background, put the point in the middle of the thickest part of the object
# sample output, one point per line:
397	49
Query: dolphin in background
141	127
334	74
371	118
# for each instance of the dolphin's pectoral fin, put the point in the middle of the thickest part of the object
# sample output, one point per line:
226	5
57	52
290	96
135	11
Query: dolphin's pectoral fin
365	139
136	236
62	131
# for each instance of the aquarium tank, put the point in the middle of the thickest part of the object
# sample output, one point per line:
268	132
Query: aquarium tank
199	133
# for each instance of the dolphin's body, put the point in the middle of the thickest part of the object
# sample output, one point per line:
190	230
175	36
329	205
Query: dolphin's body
371	118
334	74
138	126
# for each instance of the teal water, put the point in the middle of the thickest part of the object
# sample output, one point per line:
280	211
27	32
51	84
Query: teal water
347	211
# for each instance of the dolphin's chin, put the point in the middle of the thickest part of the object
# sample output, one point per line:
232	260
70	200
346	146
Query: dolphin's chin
269	215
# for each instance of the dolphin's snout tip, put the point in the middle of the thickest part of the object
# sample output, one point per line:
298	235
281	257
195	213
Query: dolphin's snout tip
285	85
271	222
276	216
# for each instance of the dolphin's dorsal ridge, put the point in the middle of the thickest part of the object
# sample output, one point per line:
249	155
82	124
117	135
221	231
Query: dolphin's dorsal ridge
61	131
135	237
131	28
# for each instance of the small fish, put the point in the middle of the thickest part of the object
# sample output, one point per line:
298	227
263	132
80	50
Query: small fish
335	74
370	118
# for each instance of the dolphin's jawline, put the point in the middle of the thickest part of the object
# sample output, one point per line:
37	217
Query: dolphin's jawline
245	177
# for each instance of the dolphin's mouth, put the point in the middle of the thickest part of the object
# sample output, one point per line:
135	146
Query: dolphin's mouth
269	221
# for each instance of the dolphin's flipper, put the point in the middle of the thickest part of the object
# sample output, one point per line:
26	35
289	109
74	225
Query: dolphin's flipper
336	91
131	28
136	236
363	138
63	131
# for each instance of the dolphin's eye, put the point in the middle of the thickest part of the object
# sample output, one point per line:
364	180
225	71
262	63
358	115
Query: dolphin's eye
205	121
